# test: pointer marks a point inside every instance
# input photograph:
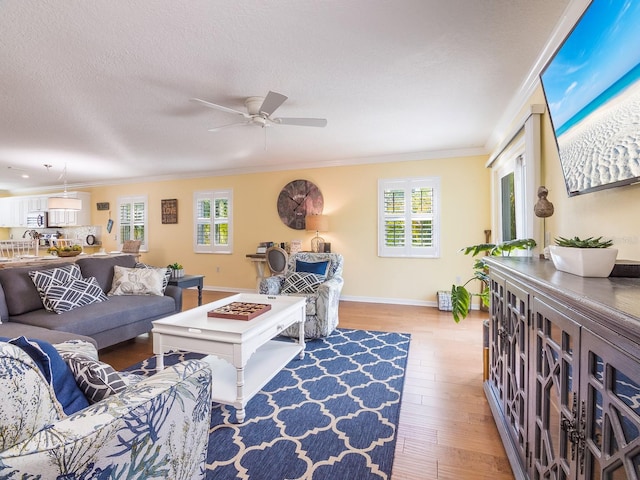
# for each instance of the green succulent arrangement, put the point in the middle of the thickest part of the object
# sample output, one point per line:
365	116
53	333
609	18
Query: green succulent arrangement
577	242
460	295
175	266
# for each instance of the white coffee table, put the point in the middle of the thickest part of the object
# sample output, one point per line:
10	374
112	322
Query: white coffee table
242	353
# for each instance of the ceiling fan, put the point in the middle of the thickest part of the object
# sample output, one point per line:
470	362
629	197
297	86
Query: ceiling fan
259	111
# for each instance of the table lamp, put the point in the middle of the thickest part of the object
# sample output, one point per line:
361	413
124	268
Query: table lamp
317	223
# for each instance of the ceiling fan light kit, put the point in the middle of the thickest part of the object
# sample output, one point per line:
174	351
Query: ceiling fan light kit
259	111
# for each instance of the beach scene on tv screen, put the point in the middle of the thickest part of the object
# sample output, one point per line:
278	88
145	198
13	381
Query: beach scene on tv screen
592	87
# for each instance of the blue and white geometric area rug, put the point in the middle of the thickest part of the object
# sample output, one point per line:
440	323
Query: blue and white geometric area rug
330	416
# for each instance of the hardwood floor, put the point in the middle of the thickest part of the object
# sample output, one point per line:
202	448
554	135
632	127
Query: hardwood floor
446	430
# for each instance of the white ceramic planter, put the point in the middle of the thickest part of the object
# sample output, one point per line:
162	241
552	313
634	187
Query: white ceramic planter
585	262
177	273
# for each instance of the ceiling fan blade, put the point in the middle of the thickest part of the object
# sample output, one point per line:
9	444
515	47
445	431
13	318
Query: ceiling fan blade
271	102
220	107
302	122
215	129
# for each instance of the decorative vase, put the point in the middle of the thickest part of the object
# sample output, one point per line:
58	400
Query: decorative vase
584	262
177	272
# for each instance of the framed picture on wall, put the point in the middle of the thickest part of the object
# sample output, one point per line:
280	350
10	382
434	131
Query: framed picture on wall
169	211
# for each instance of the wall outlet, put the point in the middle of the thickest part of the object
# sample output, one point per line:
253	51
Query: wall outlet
458	280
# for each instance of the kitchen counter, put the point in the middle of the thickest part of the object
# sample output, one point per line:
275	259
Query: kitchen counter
30	261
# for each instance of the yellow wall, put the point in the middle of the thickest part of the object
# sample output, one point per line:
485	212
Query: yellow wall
350	199
609	213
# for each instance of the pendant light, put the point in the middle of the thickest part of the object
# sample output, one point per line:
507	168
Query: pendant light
64	202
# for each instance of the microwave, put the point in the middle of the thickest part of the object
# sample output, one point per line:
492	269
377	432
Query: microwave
37	220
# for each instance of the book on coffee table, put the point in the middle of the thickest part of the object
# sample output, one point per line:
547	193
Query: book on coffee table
240	310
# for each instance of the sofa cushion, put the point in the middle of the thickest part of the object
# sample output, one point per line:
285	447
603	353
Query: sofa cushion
28	401
117	312
15	329
137	281
55	371
96	379
60	298
4	312
43	278
102	268
20	293
302	282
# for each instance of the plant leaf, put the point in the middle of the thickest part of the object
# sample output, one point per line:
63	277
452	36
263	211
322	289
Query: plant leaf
460	302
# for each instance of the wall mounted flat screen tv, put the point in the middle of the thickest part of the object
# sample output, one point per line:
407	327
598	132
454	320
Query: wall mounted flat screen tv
592	90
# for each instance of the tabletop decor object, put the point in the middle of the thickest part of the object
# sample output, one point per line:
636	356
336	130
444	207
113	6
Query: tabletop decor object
70	251
240	310
317	223
177	270
591	257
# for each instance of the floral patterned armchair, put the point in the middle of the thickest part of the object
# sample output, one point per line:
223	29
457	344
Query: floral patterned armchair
157	427
321	289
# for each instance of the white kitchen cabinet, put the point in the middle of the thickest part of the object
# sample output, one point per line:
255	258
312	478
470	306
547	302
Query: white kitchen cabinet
5	212
37	203
14	210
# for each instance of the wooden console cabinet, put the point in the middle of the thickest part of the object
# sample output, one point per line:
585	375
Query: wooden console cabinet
564	371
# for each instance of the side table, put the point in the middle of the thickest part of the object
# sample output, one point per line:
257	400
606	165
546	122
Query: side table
187	281
259	261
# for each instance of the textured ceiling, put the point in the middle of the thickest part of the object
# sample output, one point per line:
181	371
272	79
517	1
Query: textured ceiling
103	87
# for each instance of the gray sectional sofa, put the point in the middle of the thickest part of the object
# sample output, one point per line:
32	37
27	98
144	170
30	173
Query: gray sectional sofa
105	323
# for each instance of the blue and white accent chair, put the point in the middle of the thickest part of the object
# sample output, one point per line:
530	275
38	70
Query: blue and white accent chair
156	427
318	278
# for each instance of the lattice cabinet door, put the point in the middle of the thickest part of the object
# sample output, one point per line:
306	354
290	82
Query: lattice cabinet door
515	340
496	334
555	353
610	408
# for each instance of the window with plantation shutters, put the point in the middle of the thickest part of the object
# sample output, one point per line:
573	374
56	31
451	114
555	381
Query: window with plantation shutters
408	224
132	220
213	221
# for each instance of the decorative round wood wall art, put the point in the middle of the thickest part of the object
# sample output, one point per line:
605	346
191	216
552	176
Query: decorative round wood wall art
298	199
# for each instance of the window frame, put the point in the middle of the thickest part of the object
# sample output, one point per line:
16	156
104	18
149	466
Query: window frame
408	250
513	160
131	200
212	196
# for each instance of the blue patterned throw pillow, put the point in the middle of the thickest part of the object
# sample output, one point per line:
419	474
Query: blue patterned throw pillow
302	282
63	297
96	379
43	278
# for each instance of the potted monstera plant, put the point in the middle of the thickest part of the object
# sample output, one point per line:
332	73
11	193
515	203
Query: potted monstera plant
460	294
589	257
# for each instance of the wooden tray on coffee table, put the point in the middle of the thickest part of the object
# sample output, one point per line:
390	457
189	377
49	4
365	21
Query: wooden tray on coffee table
239	310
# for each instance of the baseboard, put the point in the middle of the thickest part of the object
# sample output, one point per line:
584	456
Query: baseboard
349	298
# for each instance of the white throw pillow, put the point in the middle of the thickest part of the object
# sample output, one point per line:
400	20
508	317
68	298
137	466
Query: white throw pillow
137	281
